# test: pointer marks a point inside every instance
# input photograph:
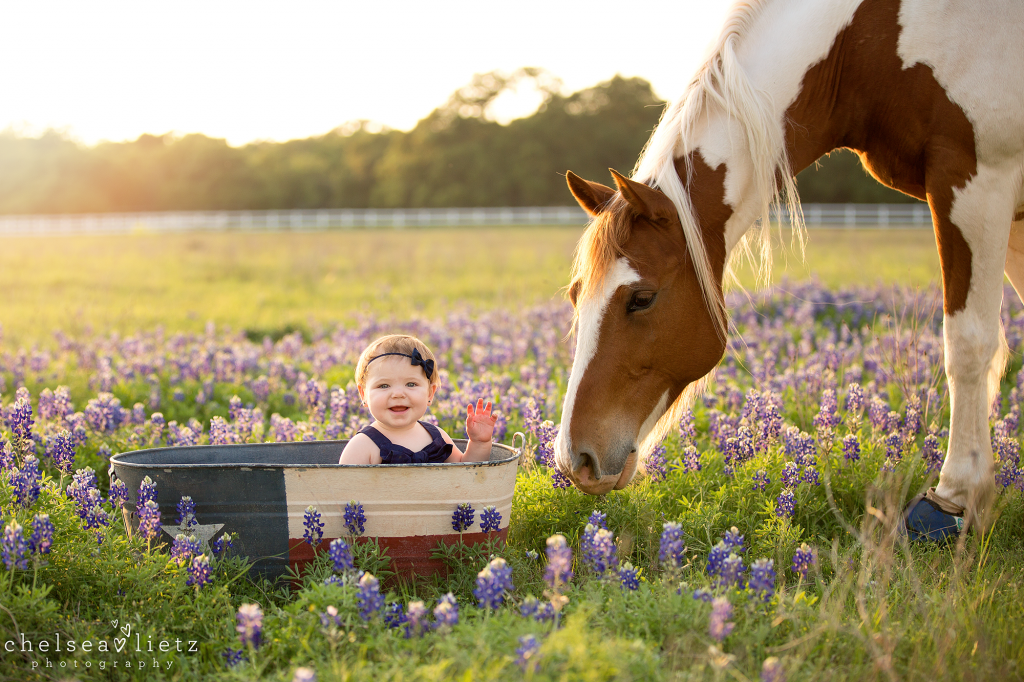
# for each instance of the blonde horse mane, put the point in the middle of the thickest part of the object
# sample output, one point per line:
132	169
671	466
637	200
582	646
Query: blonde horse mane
720	86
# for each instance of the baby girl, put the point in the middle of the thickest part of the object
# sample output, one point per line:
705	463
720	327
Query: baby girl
397	378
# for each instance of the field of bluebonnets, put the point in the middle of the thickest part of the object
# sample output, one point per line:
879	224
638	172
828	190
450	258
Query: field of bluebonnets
762	544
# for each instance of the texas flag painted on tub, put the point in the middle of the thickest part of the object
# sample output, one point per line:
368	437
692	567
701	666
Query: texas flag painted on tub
260	492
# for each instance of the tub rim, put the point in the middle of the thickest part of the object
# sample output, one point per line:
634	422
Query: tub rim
122	458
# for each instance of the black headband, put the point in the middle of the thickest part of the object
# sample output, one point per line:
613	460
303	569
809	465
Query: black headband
417	359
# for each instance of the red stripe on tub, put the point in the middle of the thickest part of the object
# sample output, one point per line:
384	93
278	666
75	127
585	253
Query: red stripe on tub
410	555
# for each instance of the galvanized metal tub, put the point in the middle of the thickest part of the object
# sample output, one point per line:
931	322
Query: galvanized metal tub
260	492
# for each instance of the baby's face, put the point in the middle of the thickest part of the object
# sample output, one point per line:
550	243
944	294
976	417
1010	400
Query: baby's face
396	391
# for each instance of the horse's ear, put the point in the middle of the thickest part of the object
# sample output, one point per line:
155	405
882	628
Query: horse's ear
646	201
592	196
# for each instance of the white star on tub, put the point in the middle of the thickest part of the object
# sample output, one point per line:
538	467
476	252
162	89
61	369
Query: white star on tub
203	533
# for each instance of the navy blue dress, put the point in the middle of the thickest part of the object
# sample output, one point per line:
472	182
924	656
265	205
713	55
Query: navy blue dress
435	453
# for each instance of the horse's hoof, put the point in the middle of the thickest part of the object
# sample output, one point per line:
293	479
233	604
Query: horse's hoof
926	522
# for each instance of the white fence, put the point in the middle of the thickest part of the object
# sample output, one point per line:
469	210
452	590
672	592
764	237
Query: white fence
849	215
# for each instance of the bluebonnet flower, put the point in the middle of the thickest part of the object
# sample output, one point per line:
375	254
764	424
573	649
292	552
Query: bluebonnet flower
528	609
691	459
446	613
761	480
355	519
393	614
559	480
602	553
686	425
703	595
249	625
118	494
490	519
894	446
104	413
333	580
598	519
629	577
187	512
932	453
232	657
13	548
463	517
826	418
854	398
491	583
878	412
559	569
314	526
655	464
716	558
851	448
149	520
811	476
719	626
803	559
19	418
147	491
734	541
341	555
762	578
771	426
369	597
732	571
199	573
528	653
42	534
26	482
785	504
546	433
672	547
222	544
532	555
7	460
61	449
771	670
416	622
892	421
790	475
184	548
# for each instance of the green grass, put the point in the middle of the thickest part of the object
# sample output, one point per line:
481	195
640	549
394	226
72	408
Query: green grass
275	282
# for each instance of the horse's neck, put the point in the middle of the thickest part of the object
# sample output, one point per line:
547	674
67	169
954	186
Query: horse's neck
787	41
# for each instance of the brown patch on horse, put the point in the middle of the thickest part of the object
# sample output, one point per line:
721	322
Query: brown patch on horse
908	133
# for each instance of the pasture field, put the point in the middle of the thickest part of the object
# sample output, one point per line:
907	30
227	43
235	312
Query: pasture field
762	546
276	281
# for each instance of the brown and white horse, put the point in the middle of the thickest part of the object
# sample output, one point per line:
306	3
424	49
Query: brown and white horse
929	93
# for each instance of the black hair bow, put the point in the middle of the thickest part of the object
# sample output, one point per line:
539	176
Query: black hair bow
428	365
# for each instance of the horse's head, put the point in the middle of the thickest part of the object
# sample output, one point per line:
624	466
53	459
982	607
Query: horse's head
644	331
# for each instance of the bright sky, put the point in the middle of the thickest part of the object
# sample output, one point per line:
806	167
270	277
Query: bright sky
247	70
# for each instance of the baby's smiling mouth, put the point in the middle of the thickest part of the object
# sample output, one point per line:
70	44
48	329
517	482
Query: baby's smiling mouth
399	408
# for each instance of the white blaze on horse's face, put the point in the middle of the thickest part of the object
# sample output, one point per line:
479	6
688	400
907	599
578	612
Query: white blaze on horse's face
588	328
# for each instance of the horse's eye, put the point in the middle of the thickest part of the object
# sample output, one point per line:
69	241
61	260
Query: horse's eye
641	300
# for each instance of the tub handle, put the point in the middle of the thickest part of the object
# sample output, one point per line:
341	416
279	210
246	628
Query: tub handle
522	443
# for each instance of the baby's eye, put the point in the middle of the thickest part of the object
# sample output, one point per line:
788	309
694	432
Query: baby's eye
383	386
412	384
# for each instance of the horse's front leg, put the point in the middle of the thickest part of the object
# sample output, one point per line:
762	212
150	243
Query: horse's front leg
972	237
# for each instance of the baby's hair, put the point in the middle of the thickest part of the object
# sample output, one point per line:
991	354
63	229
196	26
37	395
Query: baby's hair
394	343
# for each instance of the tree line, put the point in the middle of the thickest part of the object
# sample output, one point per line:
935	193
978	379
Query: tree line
456	156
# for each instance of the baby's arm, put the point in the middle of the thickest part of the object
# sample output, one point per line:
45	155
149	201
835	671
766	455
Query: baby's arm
360	450
480	430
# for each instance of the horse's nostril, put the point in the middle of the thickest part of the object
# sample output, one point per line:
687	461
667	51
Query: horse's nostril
588	459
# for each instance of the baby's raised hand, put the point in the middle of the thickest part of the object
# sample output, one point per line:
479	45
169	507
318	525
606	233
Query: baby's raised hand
480	422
